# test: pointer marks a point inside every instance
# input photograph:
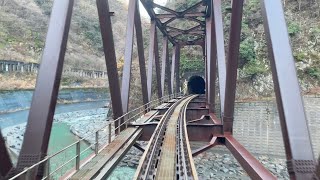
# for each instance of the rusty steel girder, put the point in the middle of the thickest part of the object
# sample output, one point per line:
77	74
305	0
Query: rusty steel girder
232	65
38	130
294	125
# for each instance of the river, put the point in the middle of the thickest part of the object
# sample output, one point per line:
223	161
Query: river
18	117
14	108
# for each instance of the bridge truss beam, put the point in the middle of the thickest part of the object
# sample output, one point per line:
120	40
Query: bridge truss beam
110	57
220	50
232	65
36	137
126	76
211	60
142	65
134	20
294	125
165	63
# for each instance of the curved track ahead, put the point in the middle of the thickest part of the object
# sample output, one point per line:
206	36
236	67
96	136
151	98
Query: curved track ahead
168	154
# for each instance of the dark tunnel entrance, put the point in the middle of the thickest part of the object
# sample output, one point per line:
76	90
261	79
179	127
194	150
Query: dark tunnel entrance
196	85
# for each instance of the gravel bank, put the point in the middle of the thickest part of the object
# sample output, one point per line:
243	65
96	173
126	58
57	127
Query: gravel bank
81	124
212	164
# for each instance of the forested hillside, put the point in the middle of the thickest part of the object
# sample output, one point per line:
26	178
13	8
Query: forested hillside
24	23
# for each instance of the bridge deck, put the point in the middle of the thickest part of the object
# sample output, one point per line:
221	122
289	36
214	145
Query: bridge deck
167	164
167	156
114	150
102	164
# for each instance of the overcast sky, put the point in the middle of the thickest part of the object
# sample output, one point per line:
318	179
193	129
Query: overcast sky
143	12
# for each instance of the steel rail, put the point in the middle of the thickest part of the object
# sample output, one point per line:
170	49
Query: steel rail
181	152
187	144
188	169
150	165
156	136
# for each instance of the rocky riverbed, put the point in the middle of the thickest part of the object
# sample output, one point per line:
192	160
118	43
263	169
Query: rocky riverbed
82	123
223	165
214	164
14	137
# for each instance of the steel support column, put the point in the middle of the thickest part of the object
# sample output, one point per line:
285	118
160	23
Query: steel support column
38	130
126	75
232	64
164	62
110	57
168	73
6	164
219	44
151	58
177	65
142	65
173	67
295	132
211	60
204	52
157	63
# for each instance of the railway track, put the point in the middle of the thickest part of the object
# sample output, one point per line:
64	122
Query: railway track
168	154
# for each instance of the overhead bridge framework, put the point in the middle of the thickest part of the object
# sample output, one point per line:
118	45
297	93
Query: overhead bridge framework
172	116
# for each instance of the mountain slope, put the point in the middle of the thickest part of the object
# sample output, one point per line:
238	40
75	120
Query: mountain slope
23	27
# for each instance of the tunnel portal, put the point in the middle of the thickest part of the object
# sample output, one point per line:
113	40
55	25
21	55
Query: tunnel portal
196	85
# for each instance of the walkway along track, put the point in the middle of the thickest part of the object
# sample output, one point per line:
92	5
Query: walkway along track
168	154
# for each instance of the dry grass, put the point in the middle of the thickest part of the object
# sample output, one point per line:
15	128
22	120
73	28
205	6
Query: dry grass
315	90
18	81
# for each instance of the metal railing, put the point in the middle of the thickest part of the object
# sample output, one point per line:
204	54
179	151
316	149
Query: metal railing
99	143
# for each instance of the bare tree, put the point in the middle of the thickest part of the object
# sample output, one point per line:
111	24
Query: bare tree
3	2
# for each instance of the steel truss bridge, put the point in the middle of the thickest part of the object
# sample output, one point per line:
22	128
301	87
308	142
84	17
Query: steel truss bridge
172	121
